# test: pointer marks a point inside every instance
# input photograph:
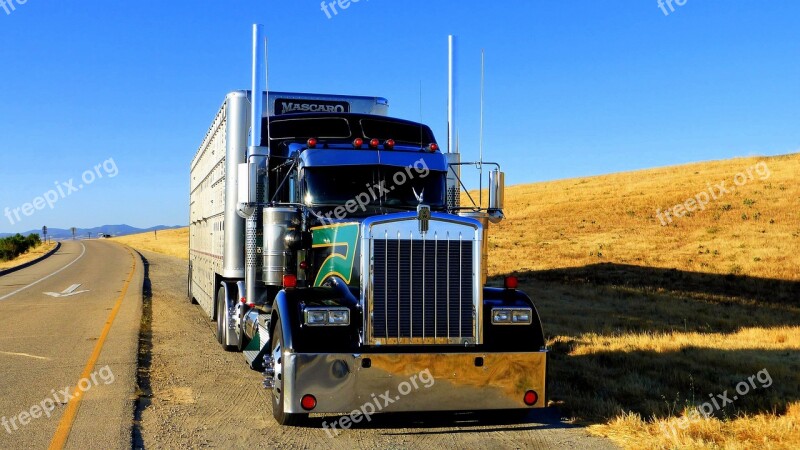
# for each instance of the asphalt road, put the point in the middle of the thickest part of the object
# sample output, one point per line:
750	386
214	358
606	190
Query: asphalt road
68	358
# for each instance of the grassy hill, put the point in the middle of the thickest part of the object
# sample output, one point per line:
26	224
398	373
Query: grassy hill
173	242
754	229
650	318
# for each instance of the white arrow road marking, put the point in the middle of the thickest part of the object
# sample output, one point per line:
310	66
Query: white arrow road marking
68	292
44	278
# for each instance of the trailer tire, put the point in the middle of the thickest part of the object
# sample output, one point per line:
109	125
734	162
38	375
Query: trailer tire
283	418
222	320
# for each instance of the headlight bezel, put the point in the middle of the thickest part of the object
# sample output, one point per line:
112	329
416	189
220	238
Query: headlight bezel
324	316
512	316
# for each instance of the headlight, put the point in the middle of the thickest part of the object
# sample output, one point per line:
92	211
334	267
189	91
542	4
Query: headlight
501	316
322	317
316	317
521	316
339	317
512	316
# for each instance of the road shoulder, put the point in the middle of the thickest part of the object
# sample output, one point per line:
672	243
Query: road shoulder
25	264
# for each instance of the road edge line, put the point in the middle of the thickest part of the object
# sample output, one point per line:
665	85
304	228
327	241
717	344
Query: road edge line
31	262
46	277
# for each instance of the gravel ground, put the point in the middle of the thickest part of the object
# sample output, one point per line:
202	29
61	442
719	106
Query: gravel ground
195	395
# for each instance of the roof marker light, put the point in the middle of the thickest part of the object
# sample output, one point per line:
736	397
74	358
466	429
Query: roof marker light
374	143
312	143
511	282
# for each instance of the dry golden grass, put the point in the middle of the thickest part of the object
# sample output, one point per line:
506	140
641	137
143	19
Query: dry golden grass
173	242
754	230
763	431
646	321
30	255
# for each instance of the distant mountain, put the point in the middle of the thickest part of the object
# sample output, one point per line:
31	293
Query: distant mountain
82	233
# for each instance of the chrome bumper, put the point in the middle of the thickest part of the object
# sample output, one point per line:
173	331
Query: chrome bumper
343	383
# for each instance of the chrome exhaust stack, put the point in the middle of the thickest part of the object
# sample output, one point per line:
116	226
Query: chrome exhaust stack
255	168
257	98
451	98
453	155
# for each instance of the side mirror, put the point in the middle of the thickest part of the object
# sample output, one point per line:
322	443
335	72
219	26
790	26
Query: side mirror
497	188
243	209
248	179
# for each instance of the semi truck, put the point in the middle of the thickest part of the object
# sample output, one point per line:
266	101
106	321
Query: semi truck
329	243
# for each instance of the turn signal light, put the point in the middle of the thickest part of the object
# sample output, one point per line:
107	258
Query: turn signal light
530	398
290	281
308	402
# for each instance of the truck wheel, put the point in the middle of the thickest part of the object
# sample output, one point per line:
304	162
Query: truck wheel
281	417
222	320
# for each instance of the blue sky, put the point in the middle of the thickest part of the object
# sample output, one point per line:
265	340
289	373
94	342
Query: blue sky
574	88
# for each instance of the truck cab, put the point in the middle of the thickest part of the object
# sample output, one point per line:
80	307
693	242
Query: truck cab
344	264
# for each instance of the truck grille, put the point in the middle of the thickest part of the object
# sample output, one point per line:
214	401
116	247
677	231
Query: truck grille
422	291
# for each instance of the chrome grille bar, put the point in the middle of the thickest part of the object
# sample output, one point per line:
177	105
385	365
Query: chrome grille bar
406	310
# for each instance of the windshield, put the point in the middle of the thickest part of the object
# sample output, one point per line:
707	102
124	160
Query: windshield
370	187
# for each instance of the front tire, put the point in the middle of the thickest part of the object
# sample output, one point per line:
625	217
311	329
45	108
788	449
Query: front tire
282	417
